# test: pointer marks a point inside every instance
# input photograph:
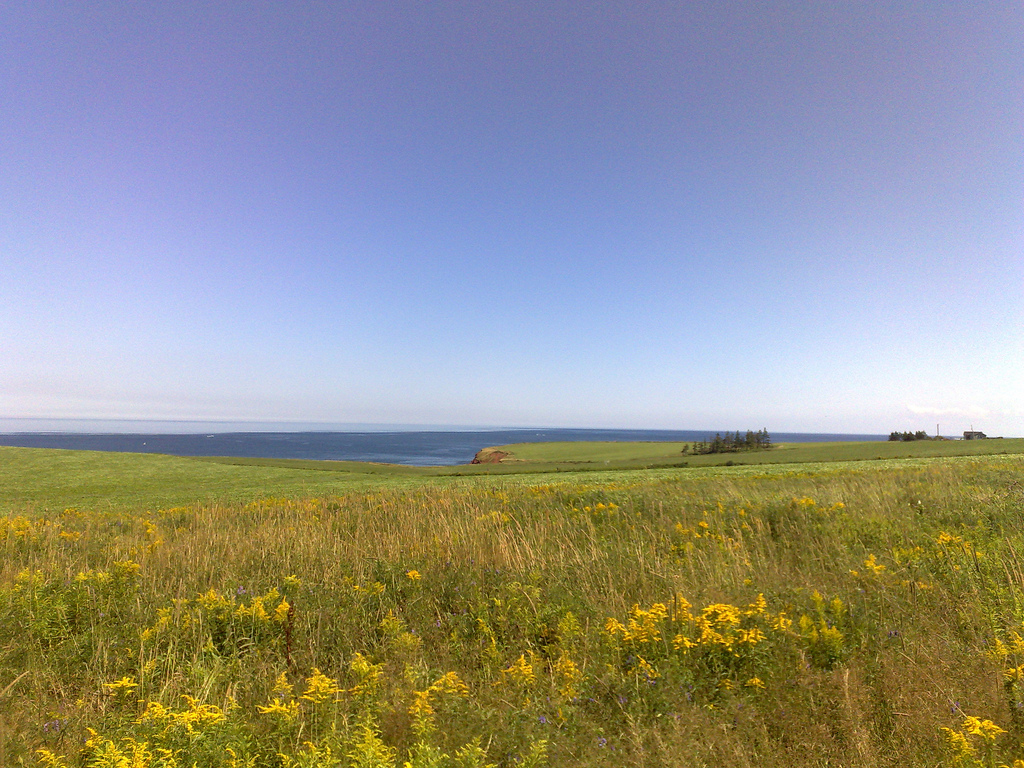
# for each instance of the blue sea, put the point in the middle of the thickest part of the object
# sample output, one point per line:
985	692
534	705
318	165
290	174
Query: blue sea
433	447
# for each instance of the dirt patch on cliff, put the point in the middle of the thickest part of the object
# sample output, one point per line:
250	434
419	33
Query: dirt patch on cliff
490	456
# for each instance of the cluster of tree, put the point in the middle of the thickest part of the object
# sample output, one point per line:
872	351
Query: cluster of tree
731	443
906	437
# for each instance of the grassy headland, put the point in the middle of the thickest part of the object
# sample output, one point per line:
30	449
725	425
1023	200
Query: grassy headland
50	480
157	611
665	453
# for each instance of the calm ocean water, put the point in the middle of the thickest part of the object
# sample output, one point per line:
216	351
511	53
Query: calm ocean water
423	448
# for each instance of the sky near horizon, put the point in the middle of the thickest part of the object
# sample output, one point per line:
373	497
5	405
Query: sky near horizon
802	216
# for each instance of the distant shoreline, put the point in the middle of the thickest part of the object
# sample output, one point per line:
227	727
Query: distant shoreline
46	426
412	447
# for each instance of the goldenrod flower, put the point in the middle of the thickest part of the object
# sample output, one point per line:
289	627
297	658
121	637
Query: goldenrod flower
958	744
368	674
320	688
199	714
154	712
124	685
287	711
683	643
124	569
876	568
646	669
567	675
781	623
722	614
750	636
391	625
614	627
450	683
281	612
420	707
984	728
758	607
1016	642
521	672
282	688
50	760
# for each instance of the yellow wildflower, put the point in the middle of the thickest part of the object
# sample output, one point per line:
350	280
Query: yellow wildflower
368	674
281	612
277	707
681	609
450	683
199	714
391	625
614	627
213	600
521	672
958	744
320	688
758	607
567	676
782	622
282	688
875	567
984	728
750	636
420	708
49	760
154	712
722	614
124	569
124	685
644	668
683	643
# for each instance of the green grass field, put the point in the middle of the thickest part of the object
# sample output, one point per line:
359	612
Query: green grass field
826	608
49	480
657	453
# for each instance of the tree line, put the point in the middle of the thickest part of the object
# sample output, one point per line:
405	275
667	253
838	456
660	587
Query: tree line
907	437
731	443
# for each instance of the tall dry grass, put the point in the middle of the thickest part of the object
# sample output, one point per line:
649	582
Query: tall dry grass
892	608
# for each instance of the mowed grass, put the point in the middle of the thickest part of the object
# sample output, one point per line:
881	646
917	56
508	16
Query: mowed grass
50	479
180	612
664	453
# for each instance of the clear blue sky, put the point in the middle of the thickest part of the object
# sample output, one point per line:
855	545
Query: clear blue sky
804	216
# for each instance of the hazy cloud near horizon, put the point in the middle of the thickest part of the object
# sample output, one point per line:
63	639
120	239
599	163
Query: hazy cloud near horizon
674	215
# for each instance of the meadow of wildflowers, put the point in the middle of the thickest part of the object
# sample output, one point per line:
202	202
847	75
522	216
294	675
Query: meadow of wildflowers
857	616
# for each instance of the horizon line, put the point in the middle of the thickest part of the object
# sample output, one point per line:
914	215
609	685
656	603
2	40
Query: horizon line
61	424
